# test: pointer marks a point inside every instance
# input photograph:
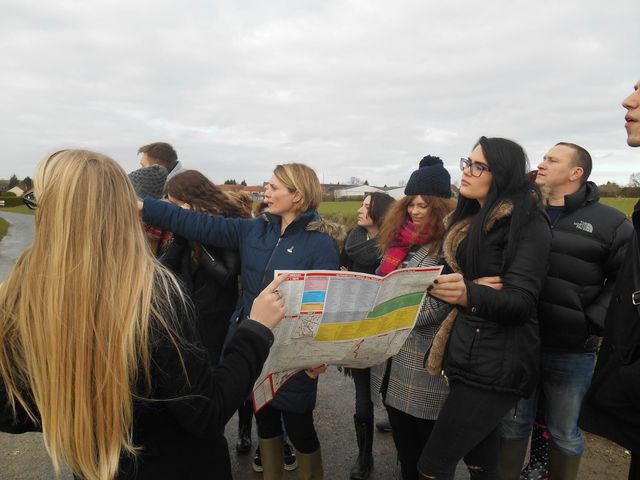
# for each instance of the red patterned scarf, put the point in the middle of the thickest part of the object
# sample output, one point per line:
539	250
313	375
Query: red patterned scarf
406	237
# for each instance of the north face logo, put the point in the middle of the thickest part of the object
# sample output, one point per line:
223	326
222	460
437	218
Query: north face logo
582	225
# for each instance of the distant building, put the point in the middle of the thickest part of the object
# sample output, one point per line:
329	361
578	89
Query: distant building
17	191
355	192
255	191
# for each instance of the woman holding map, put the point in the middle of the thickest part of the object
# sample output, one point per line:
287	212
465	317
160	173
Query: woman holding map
497	245
290	236
411	236
361	253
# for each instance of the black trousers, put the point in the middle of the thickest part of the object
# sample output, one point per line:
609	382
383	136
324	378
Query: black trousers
362	382
299	426
410	435
468	427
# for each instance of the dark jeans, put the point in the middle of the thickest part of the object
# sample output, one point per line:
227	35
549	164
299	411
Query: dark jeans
299	426
468	427
362	381
410	434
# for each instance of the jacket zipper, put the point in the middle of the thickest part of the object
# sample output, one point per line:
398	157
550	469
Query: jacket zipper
266	268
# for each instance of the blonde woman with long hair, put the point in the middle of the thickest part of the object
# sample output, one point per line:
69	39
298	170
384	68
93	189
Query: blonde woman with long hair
290	236
97	344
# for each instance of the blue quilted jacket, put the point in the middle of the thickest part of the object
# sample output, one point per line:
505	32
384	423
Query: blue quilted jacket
305	245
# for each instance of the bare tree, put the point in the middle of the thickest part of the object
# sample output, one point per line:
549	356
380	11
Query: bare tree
634	180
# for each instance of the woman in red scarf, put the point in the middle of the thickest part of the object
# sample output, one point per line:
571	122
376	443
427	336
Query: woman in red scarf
411	236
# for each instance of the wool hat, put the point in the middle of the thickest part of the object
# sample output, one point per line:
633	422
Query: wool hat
431	178
149	181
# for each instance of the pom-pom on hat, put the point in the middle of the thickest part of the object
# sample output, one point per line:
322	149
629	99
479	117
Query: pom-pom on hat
149	181
431	178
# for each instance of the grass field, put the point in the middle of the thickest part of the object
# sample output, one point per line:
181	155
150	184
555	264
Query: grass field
4	227
623	204
346	212
18	209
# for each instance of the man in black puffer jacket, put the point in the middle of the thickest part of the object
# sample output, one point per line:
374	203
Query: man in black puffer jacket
589	242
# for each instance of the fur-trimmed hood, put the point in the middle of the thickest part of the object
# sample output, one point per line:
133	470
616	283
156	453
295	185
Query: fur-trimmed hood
459	232
333	229
315	223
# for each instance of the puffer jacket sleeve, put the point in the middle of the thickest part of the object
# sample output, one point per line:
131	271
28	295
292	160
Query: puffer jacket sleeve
214	230
200	397
522	281
597	311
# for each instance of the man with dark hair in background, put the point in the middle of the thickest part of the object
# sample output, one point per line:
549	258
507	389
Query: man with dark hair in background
589	241
612	406
161	153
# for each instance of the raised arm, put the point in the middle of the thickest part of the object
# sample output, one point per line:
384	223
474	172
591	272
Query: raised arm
201	227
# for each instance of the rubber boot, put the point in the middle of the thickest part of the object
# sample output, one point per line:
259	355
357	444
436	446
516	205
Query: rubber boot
538	466
561	466
512	453
364	434
272	455
310	466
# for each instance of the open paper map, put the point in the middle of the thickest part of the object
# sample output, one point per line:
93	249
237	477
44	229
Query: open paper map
341	318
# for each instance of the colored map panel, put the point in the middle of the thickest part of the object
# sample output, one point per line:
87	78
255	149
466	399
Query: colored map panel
407	300
311	307
395	320
316	283
314	297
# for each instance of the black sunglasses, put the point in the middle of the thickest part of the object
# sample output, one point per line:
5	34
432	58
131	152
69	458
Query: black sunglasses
29	200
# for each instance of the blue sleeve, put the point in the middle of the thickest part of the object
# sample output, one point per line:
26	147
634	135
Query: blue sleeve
214	230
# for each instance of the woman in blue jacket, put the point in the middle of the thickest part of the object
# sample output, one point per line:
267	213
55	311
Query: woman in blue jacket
291	236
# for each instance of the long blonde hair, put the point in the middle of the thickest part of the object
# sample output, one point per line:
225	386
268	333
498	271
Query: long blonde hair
76	311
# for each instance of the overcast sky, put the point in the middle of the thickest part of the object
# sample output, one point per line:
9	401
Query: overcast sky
353	88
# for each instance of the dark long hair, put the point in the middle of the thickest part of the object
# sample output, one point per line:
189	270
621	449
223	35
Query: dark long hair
509	166
202	194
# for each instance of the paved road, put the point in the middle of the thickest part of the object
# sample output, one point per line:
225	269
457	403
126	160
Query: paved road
23	457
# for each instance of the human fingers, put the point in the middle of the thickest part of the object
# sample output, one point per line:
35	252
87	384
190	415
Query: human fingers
492	282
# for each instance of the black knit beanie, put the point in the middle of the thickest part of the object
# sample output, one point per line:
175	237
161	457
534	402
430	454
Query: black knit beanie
149	181
431	178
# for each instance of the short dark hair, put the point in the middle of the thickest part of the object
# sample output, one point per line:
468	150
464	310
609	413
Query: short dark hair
581	158
162	152
378	206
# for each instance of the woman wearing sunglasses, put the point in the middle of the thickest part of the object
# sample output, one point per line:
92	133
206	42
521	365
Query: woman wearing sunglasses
98	347
497	245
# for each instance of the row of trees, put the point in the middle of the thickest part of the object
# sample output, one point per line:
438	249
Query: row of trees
26	183
631	190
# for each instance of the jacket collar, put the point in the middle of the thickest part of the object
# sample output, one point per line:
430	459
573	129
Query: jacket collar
298	224
586	194
458	232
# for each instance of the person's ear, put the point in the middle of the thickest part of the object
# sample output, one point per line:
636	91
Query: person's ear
576	173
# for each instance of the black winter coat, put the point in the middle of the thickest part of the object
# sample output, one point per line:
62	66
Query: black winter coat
182	435
589	243
494	343
211	276
611	407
